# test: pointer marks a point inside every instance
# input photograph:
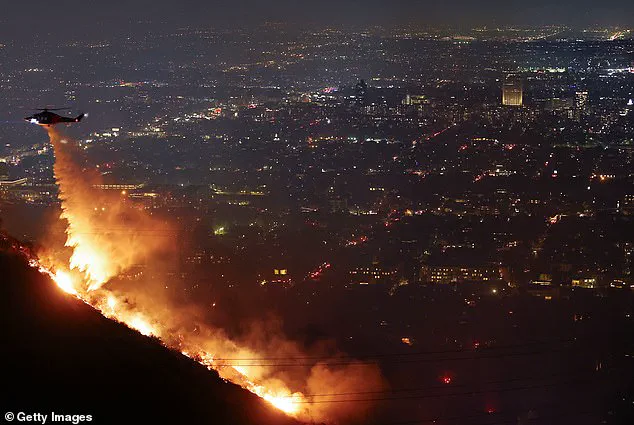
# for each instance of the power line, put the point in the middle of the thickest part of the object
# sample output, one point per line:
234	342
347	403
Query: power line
401	361
417	353
455	394
399	390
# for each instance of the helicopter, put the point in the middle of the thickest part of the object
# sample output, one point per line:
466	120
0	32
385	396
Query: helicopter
47	118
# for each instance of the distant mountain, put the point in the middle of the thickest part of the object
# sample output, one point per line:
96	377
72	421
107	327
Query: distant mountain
60	355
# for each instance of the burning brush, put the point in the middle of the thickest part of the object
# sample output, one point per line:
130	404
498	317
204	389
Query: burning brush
105	234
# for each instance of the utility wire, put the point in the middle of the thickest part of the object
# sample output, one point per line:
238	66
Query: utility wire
417	389
417	353
335	362
454	394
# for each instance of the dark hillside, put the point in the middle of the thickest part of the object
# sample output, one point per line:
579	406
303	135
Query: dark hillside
60	355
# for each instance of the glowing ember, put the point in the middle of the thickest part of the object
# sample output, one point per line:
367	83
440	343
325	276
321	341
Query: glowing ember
286	403
283	399
141	325
64	281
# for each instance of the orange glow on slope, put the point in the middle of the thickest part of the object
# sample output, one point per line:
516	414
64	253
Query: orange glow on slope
107	241
64	281
140	324
281	398
285	402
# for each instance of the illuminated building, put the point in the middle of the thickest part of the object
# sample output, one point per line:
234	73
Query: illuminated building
10	183
118	186
627	204
371	275
360	91
581	105
621	284
586	283
4	171
558	104
278	277
415	99
460	274
544	279
512	91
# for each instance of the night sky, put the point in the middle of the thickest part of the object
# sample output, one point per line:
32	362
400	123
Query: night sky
69	15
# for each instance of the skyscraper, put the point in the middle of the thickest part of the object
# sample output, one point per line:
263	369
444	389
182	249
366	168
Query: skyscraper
512	91
581	104
4	171
360	91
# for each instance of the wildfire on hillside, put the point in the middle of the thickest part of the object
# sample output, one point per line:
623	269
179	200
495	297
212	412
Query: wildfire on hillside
106	235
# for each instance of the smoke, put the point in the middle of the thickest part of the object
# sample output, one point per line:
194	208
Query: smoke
344	382
262	359
107	234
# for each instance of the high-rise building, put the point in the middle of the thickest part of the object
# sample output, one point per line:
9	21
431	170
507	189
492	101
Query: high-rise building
559	104
512	91
581	105
360	91
4	171
415	99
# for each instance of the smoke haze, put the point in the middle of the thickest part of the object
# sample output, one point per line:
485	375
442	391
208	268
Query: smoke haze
108	234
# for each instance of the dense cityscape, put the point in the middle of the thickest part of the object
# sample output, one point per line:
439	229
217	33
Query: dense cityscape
395	189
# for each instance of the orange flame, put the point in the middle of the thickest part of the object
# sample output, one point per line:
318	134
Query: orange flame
281	398
105	234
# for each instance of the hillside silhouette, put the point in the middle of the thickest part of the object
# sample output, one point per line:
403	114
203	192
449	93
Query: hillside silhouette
61	355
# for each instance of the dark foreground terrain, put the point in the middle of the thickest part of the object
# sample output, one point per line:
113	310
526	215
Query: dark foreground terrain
60	355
